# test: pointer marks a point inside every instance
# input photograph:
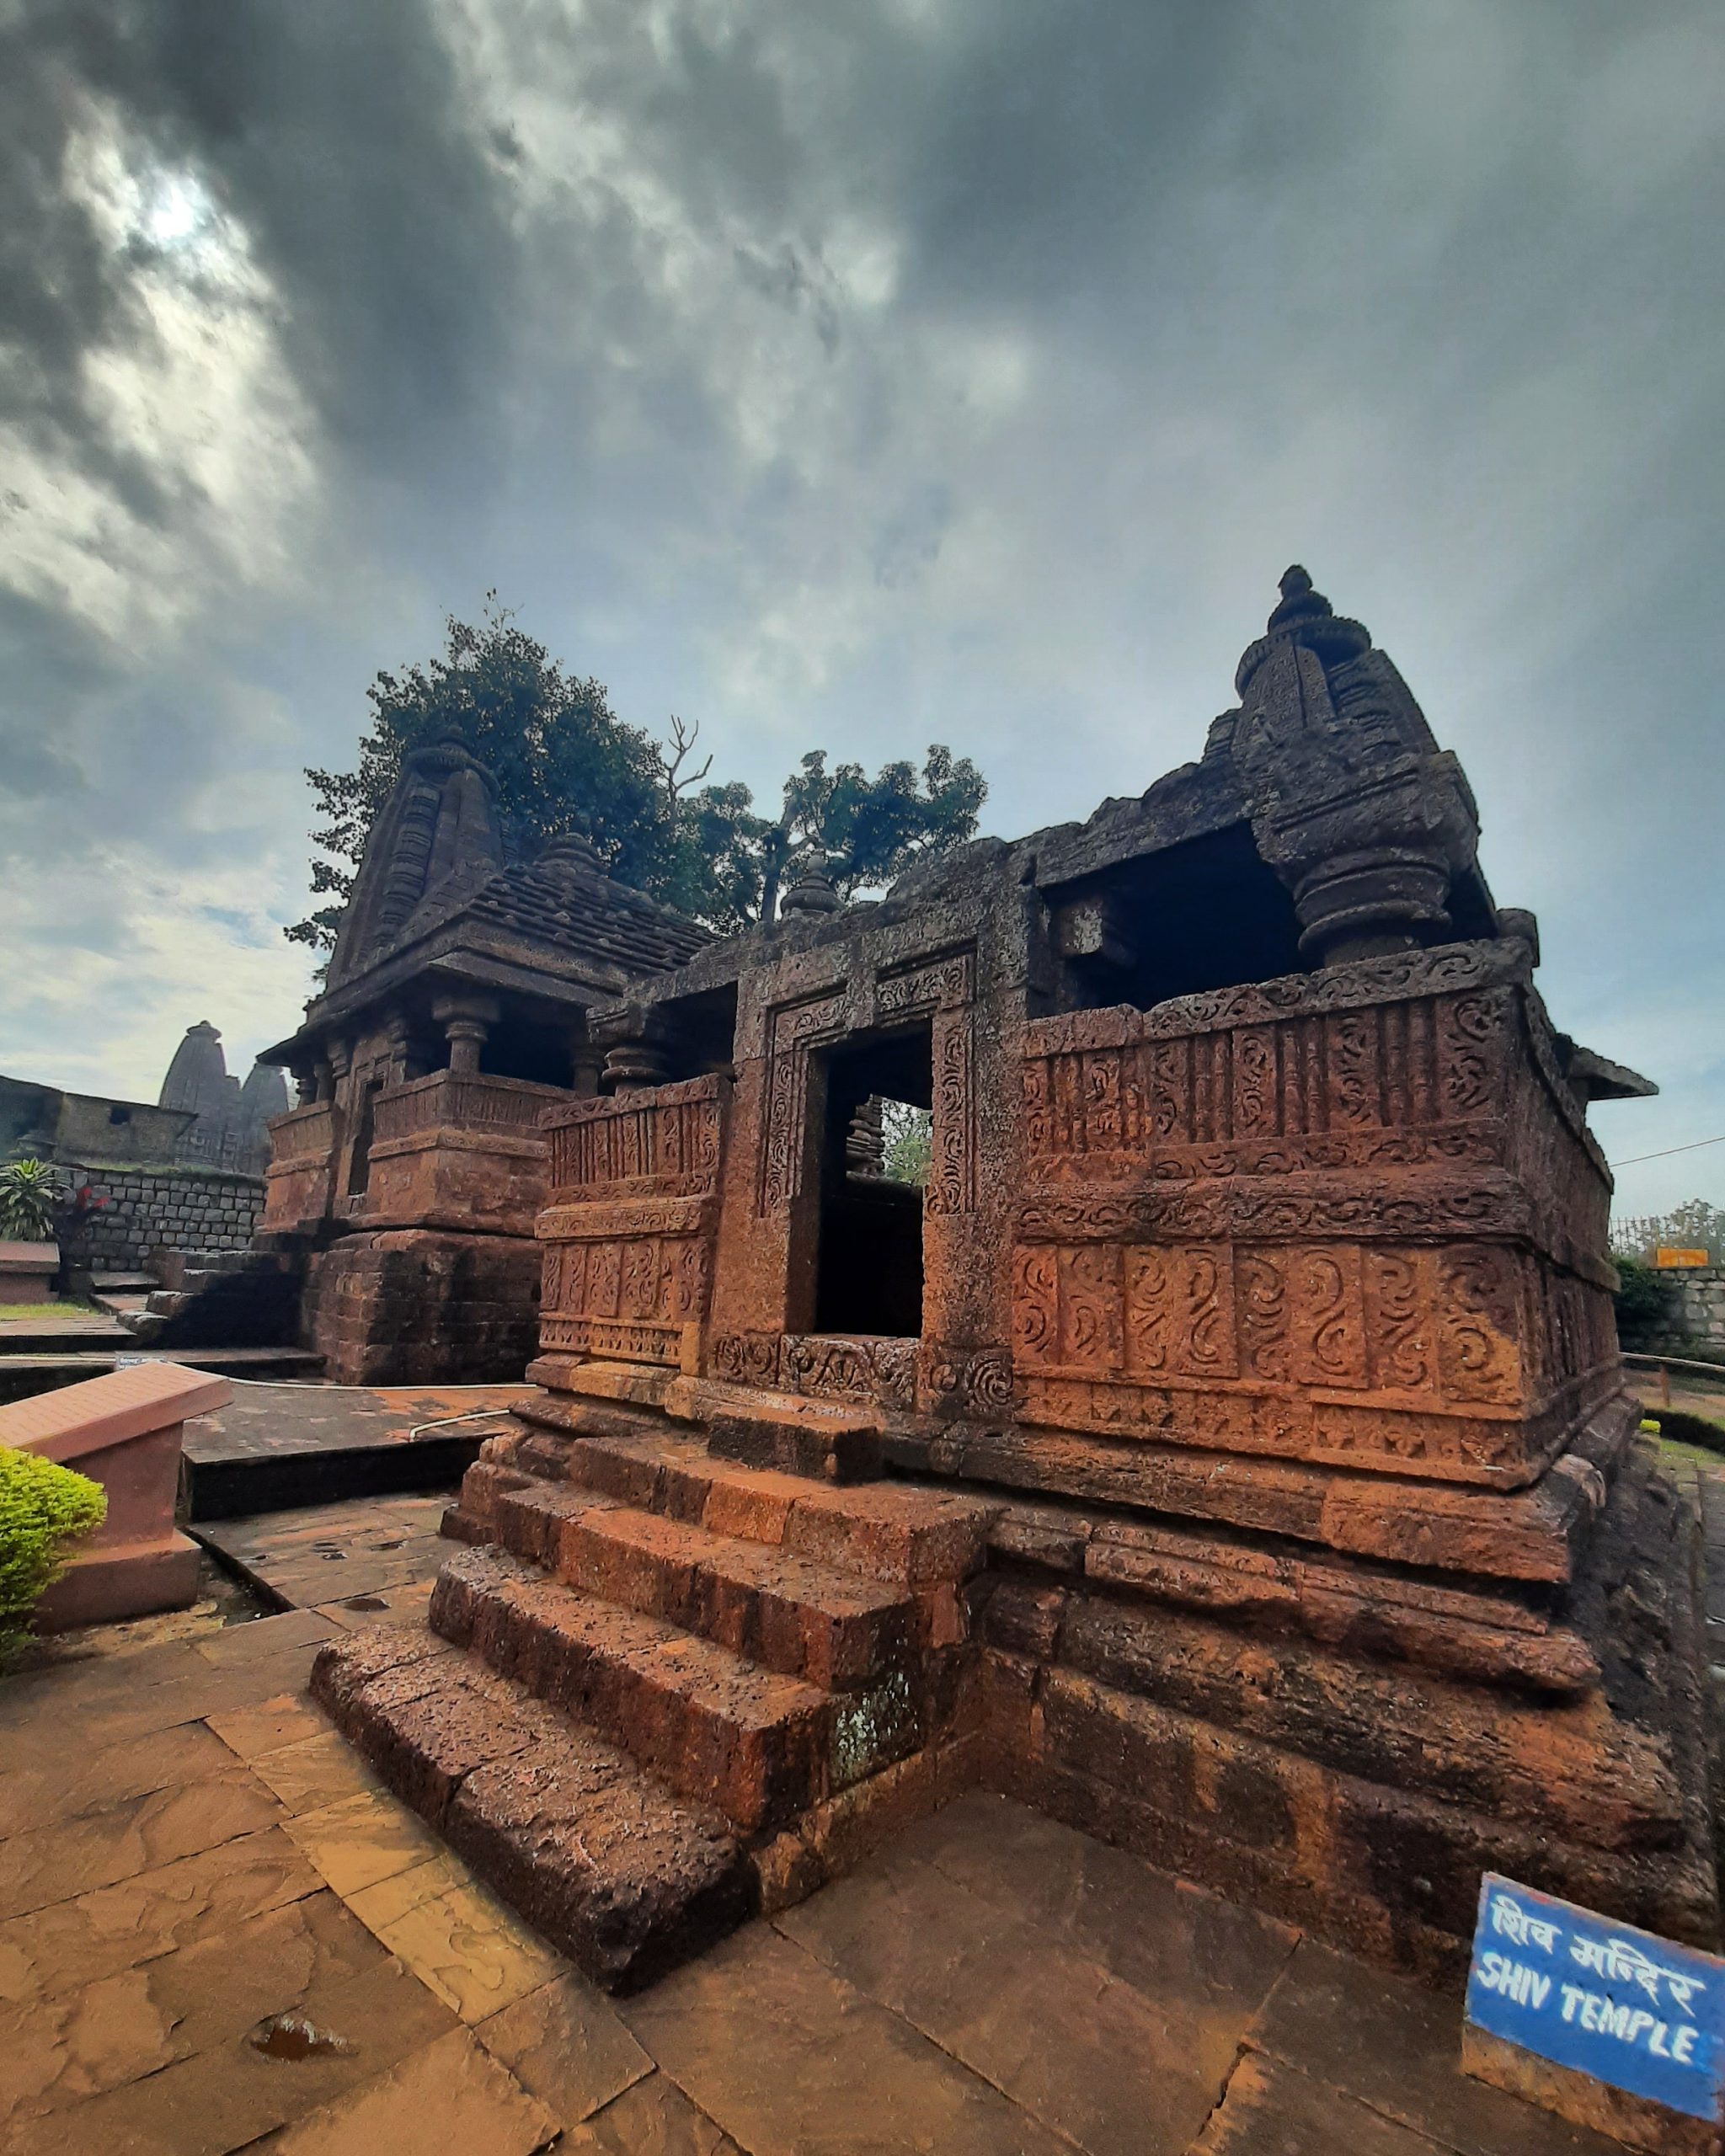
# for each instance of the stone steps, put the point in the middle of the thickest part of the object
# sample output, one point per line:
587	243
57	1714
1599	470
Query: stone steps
896	1533
623	1877
781	1653
837	1630
758	1746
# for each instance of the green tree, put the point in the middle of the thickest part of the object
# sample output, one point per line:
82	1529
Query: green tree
1642	1302
565	761
864	831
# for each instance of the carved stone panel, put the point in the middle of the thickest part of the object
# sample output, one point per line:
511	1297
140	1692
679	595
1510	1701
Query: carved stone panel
793	1030
629	1237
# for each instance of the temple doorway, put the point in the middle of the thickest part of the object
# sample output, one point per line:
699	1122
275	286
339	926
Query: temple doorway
868	1249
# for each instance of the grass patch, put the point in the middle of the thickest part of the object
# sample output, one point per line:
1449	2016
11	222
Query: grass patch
33	1313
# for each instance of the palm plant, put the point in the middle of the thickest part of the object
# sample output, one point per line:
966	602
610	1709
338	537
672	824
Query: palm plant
30	1190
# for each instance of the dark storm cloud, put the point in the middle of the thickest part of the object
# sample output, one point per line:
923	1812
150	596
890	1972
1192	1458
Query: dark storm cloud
336	136
862	371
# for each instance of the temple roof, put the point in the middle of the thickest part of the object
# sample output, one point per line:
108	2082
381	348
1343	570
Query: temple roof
567	901
558	928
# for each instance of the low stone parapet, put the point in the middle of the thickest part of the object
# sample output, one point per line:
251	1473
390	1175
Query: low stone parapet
123	1432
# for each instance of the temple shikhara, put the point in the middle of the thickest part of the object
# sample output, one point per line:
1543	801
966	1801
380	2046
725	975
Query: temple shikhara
1223	1447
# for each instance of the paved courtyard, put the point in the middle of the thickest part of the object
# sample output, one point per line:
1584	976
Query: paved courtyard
218	1933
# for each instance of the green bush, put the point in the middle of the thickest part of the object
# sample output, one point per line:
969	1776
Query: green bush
44	1509
1642	1300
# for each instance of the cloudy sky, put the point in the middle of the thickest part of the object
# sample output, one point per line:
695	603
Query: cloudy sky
854	373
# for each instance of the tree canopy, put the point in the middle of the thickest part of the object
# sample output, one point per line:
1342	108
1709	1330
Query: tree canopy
565	762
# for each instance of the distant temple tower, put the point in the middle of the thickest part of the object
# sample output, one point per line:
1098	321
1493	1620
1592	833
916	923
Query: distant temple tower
232	1126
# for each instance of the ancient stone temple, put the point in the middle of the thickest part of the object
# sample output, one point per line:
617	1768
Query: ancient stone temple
405	1185
1228	1454
230	1125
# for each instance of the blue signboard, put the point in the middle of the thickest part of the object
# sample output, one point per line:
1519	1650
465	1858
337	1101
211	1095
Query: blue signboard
1598	1997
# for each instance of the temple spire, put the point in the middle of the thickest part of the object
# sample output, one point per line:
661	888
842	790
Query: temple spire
1354	805
439	822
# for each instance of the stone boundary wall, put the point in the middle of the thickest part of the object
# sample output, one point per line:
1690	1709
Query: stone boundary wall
165	1208
1695	1319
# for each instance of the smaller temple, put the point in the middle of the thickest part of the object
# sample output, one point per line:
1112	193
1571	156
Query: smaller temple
407	1180
230	1125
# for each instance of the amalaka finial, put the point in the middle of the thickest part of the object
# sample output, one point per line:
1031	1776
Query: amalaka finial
814	892
571	853
1306	617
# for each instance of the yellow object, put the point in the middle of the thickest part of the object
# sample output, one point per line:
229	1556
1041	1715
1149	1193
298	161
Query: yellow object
1672	1260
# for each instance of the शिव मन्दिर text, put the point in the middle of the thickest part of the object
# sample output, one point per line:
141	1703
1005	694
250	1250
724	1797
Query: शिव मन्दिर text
1637	2012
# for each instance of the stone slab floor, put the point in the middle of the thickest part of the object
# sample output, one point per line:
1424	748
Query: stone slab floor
218	1933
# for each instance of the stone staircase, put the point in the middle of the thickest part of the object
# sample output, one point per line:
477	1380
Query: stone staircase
240	1299
663	1688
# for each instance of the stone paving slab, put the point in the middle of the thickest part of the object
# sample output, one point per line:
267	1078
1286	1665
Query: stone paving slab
282	1445
1088	2056
992	1982
316	1555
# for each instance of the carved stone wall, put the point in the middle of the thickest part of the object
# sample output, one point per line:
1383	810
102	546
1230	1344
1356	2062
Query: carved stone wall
1349	1219
628	1235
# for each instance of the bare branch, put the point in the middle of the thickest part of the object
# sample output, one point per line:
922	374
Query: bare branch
683	737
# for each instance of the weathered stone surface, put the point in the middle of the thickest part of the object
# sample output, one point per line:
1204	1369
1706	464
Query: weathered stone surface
109	1774
461	1942
357	1842
597	1856
566	2046
1594	1778
758	1745
1194	1954
829	1453
154	1913
139	1834
1274	2109
1081	2049
654	2118
800	1619
315	1771
1395	2046
475	2102
817	2064
177	2047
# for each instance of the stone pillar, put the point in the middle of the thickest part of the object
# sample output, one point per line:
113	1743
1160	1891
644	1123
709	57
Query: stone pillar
400	1066
340	1063
467	1037
585	1060
466	1021
865	1141
633	1039
305	1084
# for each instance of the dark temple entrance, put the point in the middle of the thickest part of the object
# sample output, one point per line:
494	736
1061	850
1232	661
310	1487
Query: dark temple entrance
869	1260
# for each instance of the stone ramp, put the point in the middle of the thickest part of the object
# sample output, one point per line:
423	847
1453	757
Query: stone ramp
763	1668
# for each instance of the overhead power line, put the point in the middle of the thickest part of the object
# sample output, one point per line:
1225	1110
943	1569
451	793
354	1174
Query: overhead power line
1634	1158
